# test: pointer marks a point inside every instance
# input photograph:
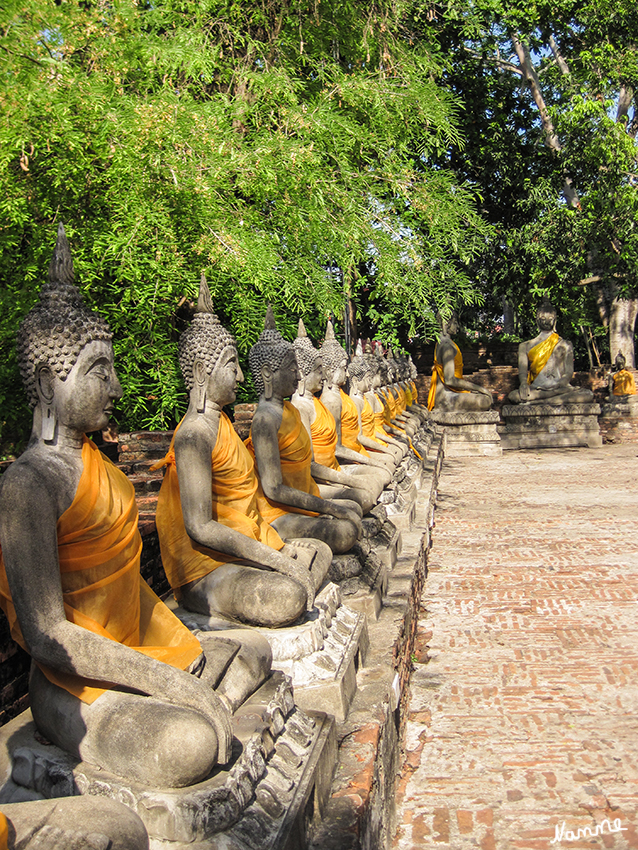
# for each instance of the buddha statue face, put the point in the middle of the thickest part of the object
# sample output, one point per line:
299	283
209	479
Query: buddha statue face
84	400
272	362
451	326
620	362
358	374
221	383
546	317
335	375
285	378
314	379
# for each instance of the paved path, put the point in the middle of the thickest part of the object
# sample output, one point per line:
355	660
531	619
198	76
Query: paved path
525	716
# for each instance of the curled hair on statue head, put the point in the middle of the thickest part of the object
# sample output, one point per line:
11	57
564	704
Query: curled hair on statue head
59	326
332	354
270	349
204	339
305	351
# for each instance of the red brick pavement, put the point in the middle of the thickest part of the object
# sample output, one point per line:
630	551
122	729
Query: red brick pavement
524	716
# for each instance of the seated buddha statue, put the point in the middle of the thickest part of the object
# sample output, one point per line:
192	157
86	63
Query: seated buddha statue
622	387
221	557
348	449
449	391
546	366
282	450
398	444
359	375
333	482
103	645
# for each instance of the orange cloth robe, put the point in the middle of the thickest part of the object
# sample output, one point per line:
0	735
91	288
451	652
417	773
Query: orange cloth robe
295	455
624	383
415	392
371	422
237	503
350	425
437	375
323	432
99	548
539	355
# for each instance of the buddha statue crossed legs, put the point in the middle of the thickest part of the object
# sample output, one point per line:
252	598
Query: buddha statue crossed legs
282	449
111	676
221	556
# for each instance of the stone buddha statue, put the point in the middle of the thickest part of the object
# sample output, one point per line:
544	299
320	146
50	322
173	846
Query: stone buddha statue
348	450
282	449
359	374
449	391
103	645
333	481
221	557
622	387
546	366
397	444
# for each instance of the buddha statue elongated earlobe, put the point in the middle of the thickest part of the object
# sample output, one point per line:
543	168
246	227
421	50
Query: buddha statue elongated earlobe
199	377
266	376
301	386
45	394
49	421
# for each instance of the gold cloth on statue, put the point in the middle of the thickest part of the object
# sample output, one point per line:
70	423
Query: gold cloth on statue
350	425
415	392
295	455
324	436
99	548
371	422
539	355
237	504
4	832
437	375
624	383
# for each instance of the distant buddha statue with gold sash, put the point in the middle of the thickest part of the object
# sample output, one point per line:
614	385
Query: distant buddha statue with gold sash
282	449
449	390
546	366
116	679
622	386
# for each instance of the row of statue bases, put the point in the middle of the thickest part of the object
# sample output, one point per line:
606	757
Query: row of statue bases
177	723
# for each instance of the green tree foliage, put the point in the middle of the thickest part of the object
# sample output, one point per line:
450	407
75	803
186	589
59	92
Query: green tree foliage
284	147
550	122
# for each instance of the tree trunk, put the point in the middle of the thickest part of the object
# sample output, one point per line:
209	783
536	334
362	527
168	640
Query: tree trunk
622	322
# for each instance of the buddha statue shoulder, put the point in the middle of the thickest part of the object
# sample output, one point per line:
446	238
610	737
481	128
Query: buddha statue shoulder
282	448
102	644
221	556
546	366
449	390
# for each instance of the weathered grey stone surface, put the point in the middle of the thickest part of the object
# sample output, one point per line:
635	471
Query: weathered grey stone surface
449	417
469	433
277	748
530	426
625	406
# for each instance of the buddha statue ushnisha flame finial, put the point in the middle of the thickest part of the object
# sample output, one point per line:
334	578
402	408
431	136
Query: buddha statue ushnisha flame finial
270	349
331	352
204	339
305	351
57	328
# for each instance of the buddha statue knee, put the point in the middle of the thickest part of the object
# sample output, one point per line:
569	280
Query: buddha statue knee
546	366
449	391
101	641
209	511
281	446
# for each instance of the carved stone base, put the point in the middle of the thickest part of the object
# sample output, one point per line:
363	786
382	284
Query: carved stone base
628	407
321	655
545	426
282	756
470	433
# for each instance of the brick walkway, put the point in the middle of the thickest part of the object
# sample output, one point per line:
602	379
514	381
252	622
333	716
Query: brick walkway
524	703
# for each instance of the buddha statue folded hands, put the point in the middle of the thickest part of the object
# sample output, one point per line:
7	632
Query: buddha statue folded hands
221	556
102	644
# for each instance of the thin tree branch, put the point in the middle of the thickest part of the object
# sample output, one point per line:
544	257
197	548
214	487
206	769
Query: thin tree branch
558	56
495	60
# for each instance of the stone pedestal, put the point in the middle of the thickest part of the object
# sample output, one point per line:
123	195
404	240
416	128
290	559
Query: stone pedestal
619	420
321	655
545	426
282	764
468	433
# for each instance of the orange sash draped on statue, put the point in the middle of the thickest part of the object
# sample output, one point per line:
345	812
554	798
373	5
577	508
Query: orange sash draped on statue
624	383
295	455
437	375
236	504
539	355
350	425
371	422
415	392
99	549
324	436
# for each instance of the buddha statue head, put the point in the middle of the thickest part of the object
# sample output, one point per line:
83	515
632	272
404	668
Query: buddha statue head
273	362
620	362
309	362
65	355
359	371
334	359
546	316
208	356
